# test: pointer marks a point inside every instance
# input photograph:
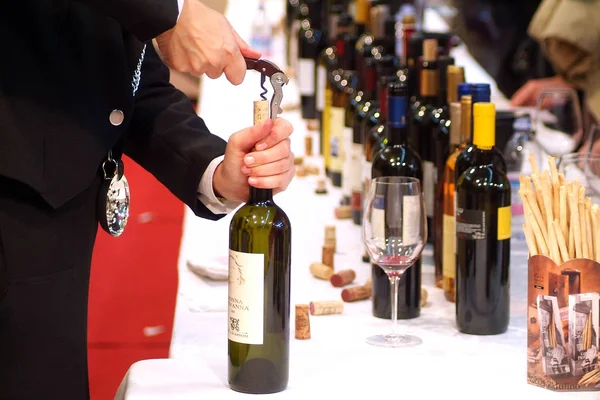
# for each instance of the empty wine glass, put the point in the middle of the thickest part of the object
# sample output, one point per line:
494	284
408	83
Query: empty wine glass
558	123
395	232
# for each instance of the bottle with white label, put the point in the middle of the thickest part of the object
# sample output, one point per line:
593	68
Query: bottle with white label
483	231
397	159
311	42
259	292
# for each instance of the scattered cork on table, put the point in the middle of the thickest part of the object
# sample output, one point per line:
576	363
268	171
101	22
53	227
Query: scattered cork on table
356	293
302	322
321	271
343	278
308	145
326	307
343	212
328	256
321	186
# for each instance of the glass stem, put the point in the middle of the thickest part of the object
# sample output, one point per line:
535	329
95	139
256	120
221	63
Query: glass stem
394	281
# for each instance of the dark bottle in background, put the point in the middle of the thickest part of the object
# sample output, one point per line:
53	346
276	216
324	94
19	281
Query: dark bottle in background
397	159
345	39
422	125
311	42
327	62
483	229
342	91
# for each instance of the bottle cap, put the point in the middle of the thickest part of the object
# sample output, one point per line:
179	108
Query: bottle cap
481	92
466	111
484	119
464	89
455	76
430	50
455	126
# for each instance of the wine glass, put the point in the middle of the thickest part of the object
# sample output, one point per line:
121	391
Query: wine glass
558	123
395	232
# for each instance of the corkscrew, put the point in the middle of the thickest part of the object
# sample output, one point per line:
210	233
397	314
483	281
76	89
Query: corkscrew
269	70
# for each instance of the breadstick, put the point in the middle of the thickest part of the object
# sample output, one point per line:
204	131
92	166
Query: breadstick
533	163
596	231
562	213
585	251
575	224
552	244
571	247
561	241
530	239
531	207
588	227
555	185
561	178
543	249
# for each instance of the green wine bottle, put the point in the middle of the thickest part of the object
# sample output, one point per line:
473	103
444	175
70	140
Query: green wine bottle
259	292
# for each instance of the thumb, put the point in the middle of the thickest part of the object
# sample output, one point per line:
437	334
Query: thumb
246	139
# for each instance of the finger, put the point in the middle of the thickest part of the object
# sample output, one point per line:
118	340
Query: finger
270	182
278	152
245	49
246	139
274	168
282	129
523	96
235	71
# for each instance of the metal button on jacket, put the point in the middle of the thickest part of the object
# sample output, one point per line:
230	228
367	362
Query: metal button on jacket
116	117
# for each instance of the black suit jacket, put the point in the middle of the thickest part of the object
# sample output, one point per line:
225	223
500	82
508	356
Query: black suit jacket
65	65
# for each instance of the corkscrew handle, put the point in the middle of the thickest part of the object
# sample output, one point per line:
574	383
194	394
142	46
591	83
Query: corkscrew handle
277	78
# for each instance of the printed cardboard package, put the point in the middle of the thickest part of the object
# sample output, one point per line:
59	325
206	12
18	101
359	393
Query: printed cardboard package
563	330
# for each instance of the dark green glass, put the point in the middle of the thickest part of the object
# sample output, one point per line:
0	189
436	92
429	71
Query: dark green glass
260	227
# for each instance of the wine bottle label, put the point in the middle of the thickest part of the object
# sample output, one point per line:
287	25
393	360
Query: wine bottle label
471	224
504	223
336	132
306	76
246	297
347	151
410	220
428	187
455	208
378	217
449	245
321	82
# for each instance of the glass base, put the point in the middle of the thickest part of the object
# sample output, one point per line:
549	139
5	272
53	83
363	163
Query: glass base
394	340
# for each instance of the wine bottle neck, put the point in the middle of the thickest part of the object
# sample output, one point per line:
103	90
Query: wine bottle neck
260	195
396	120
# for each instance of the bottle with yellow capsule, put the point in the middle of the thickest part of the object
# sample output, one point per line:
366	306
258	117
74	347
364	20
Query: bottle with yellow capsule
483	235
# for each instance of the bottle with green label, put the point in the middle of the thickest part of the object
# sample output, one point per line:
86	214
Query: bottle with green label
483	221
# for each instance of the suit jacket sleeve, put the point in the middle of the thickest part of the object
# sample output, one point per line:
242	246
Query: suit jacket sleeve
145	19
168	139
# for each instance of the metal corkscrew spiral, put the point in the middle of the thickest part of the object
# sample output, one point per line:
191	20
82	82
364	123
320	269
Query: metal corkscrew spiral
278	79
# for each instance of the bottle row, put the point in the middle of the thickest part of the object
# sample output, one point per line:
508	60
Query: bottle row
388	100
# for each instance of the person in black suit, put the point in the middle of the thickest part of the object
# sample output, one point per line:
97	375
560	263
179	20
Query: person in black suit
80	78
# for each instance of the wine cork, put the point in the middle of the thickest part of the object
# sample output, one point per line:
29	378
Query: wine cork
430	49
356	293
343	212
423	297
321	187
298	160
321	271
328	256
308	145
312	125
302	322
368	283
261	111
329	232
343	278
326	307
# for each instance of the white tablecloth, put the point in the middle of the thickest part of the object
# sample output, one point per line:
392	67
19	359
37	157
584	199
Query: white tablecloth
336	361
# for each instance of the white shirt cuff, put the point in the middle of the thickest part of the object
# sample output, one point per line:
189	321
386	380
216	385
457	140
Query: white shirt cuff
180	5
206	193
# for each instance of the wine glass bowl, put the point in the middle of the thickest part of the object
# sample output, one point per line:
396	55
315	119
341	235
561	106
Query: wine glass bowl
585	168
558	121
394	232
